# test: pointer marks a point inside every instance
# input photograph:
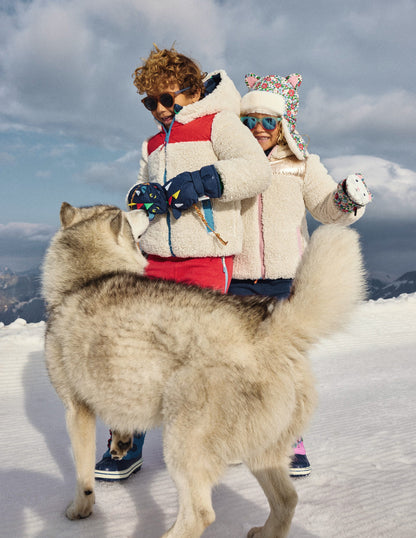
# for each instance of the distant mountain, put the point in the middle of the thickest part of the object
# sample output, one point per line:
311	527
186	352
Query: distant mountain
20	296
20	293
380	288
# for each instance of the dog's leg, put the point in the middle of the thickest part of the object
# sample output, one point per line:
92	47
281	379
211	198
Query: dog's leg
273	477
81	428
195	506
194	468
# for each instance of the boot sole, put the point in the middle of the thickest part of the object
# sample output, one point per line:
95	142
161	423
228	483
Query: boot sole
112	476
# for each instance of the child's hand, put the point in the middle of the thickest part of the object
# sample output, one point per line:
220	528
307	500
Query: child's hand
357	190
181	193
352	193
187	188
148	196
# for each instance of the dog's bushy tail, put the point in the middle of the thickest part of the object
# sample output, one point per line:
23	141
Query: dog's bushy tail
329	283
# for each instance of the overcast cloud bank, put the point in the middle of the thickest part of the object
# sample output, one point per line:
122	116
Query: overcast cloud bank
71	123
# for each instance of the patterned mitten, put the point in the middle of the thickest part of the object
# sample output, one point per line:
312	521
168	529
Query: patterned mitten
352	193
148	196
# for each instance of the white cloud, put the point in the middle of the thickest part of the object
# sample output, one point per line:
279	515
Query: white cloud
392	112
63	149
26	230
46	60
65	76
23	244
393	187
67	66
116	175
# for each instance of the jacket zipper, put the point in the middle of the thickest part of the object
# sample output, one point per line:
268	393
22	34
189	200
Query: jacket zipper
261	236
168	216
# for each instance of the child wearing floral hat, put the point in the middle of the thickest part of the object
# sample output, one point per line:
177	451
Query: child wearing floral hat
274	222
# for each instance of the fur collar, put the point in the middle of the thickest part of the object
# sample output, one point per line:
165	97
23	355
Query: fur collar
280	152
225	96
282	160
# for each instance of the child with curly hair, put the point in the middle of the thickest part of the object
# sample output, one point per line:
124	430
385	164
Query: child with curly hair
194	174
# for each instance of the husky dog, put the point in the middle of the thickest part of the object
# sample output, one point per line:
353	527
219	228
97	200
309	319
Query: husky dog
227	378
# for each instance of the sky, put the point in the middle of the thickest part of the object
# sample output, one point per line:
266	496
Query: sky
362	451
72	124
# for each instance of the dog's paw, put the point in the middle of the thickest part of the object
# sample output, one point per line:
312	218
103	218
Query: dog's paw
120	445
81	508
255	532
261	532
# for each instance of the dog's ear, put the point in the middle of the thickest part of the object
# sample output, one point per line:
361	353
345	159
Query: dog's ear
67	214
116	224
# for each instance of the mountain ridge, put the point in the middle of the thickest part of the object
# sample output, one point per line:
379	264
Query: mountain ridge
20	292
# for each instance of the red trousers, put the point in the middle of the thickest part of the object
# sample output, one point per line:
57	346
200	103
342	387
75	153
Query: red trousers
208	272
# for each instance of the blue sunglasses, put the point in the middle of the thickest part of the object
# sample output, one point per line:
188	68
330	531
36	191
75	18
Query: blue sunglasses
268	123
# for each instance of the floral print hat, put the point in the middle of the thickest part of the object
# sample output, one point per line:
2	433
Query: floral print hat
278	96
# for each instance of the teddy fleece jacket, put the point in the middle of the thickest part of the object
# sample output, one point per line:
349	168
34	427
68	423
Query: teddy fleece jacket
275	226
208	132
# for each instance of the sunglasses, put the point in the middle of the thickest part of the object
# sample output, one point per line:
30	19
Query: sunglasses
268	123
166	99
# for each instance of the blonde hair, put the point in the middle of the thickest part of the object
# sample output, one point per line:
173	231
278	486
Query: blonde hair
281	140
164	67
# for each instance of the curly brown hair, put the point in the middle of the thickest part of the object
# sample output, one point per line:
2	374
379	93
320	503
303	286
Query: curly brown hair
167	66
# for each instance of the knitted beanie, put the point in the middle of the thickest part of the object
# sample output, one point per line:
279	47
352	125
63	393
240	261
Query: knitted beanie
277	96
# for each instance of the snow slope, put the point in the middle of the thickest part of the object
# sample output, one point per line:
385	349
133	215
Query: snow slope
361	444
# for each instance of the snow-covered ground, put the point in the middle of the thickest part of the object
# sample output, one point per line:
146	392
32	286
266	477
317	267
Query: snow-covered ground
361	443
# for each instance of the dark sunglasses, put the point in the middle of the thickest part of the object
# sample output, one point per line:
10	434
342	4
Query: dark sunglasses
268	123
166	99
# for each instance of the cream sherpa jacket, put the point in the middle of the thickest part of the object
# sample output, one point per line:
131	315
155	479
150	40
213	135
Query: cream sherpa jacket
203	133
275	227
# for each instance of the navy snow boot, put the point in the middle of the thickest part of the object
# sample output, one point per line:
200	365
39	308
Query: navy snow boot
109	469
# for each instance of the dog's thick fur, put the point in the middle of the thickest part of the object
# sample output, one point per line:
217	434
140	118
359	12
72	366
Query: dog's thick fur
227	377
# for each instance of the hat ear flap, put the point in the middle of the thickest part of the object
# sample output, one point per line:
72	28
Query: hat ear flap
294	141
294	79
251	80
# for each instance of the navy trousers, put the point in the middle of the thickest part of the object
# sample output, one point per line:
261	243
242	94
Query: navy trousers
279	287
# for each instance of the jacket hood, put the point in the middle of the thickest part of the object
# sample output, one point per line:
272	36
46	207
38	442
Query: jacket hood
221	94
280	152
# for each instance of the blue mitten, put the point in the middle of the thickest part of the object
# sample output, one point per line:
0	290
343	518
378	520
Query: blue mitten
187	188
148	196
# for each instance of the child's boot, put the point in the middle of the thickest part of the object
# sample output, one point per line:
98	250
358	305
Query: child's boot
299	466
110	469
